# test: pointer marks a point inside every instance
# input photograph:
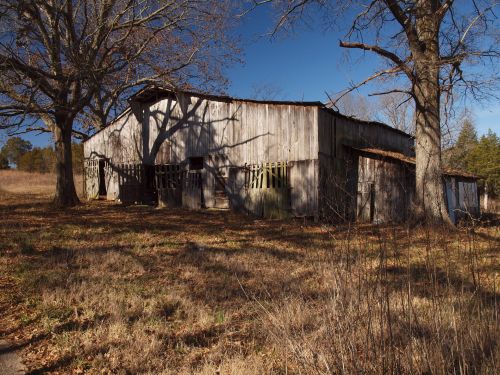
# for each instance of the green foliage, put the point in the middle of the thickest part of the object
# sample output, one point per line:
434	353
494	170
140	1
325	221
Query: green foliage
40	160
15	148
457	156
43	160
480	157
484	160
4	162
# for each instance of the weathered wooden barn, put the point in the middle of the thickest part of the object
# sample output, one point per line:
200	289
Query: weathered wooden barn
269	158
386	186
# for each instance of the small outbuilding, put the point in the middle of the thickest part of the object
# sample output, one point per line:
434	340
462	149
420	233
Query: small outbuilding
386	187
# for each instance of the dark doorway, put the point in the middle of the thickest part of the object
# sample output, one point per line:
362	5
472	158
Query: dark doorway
102	179
195	163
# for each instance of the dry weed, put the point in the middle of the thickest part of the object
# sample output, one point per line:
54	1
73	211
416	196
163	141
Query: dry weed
102	288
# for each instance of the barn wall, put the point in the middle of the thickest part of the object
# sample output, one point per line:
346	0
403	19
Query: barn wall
336	193
231	134
339	166
468	196
227	134
384	190
245	132
336	132
461	197
120	142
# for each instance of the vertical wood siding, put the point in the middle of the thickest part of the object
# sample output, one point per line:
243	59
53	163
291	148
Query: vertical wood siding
461	197
385	190
120	142
243	132
339	169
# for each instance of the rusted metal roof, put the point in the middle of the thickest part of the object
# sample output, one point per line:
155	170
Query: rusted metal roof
411	160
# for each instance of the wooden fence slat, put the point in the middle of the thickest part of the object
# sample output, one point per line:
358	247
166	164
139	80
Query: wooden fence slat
267	175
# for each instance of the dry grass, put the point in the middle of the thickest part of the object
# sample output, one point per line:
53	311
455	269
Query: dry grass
32	184
103	288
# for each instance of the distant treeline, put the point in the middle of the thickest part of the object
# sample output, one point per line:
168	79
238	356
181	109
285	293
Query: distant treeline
21	154
477	155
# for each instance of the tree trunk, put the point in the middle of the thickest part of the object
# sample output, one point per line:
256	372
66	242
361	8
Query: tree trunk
429	197
430	200
65	185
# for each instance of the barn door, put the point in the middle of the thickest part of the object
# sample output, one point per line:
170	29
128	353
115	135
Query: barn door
102	179
220	181
136	183
450	197
91	173
168	182
192	192
366	202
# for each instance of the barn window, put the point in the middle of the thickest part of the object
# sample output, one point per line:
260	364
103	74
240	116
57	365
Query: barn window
195	163
267	176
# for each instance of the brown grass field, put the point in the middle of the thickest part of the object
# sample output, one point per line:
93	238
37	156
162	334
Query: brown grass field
107	289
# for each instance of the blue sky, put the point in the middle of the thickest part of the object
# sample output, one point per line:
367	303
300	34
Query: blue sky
302	66
309	62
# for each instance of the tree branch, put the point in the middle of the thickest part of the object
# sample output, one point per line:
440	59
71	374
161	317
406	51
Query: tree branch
402	65
391	92
443	9
404	21
379	74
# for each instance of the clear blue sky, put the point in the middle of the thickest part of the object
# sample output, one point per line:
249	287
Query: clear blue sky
302	66
309	62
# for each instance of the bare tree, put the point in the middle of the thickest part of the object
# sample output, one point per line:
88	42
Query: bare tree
438	47
355	105
67	65
266	91
396	109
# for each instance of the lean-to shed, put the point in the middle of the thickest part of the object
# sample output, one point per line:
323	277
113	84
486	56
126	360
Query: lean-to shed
386	187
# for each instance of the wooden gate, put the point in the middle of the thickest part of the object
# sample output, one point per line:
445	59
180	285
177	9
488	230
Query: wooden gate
168	178
268	190
136	183
91	178
192	192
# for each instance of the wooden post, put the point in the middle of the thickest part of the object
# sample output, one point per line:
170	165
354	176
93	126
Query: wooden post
84	180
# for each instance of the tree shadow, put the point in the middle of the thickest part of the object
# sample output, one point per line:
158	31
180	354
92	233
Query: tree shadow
432	283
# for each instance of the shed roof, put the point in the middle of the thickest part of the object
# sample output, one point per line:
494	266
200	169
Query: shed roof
411	160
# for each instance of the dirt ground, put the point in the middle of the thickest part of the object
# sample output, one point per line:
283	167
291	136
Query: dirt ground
103	288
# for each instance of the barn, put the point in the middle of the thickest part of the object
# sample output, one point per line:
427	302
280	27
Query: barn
268	158
386	186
